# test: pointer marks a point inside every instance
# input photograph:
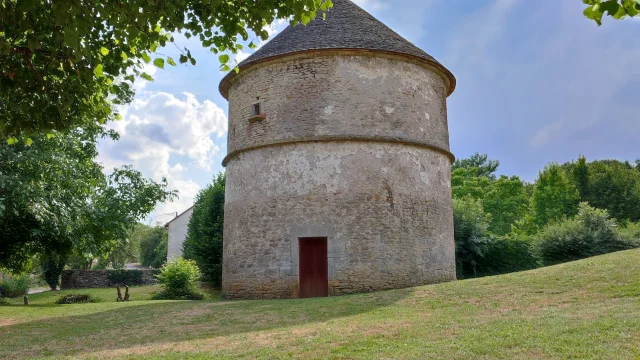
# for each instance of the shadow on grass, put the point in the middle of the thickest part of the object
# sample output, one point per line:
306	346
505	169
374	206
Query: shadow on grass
170	322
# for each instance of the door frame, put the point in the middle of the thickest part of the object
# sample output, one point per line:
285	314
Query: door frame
335	252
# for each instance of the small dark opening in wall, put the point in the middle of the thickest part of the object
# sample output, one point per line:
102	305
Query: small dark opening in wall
257	109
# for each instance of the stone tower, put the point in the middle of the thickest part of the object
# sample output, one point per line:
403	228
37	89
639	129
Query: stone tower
338	165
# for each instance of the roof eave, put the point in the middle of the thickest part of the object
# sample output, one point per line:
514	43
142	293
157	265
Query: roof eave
225	82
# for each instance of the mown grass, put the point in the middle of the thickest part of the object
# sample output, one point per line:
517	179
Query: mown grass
588	309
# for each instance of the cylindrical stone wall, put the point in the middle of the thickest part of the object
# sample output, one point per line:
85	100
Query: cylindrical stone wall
355	148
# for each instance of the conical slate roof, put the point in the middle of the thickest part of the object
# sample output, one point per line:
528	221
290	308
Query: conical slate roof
347	26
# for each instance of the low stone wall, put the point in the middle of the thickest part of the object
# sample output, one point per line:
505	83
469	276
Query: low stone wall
87	279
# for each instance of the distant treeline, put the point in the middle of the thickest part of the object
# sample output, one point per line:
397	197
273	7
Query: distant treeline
572	211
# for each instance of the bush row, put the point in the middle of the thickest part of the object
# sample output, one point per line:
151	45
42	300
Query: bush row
591	232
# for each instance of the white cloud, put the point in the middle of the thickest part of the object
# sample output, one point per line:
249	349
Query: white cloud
160	126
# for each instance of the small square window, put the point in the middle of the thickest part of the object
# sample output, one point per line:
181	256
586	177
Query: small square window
257	112
257	109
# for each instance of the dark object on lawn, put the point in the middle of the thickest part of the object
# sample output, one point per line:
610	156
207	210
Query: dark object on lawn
77	299
126	294
26	300
2	292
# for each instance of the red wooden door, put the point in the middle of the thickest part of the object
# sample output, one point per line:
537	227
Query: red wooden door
314	270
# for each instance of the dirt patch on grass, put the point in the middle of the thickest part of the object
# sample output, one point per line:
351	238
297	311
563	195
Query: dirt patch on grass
7	322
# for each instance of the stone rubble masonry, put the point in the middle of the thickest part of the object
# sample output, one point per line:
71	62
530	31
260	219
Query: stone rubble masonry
89	279
353	148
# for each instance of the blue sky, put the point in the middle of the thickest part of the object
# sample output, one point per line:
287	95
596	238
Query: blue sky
537	82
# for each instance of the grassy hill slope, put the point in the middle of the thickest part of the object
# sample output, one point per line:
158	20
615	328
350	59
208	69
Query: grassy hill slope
585	309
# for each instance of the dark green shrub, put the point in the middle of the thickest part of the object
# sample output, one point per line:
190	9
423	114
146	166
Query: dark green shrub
590	233
4	301
16	286
77	299
125	277
51	271
470	225
506	255
204	235
179	279
631	233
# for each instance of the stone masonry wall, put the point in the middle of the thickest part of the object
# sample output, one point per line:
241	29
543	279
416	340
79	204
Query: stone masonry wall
355	149
87	279
339	96
385	209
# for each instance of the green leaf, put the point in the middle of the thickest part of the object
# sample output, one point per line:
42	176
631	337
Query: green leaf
183	59
146	58
224	58
98	71
5	48
12	141
51	136
326	5
104	51
170	61
594	14
193	61
146	76
118	116
28	141
159	62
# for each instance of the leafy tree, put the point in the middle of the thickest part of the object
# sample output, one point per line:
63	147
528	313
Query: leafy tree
161	252
151	244
55	200
618	9
615	186
65	64
473	176
204	235
507	201
127	251
580	176
81	262
608	184
480	164
466	182
554	196
471	234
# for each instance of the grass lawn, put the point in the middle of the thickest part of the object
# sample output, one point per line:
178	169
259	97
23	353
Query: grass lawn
586	309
